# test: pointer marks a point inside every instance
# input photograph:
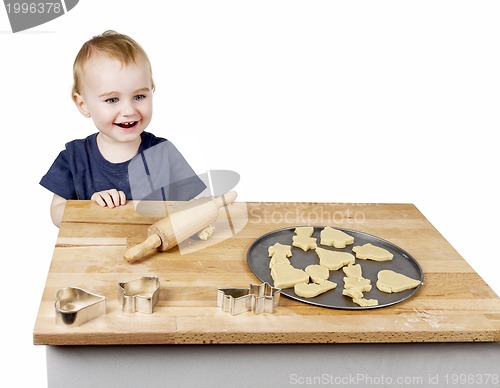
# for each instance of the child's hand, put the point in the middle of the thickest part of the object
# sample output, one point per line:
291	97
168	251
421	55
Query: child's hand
109	198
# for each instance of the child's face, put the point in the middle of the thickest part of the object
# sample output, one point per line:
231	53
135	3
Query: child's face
118	97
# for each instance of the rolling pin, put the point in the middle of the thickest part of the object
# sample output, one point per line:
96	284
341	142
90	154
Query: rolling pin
180	225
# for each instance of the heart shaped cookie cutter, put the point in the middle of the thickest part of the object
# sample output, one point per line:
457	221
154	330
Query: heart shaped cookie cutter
75	306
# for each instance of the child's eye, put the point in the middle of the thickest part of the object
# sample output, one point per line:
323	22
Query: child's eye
112	100
139	97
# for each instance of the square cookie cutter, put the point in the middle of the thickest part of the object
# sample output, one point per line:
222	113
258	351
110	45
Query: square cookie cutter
139	295
74	306
259	298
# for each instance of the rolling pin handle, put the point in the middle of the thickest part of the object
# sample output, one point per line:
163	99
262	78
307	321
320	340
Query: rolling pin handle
137	252
226	199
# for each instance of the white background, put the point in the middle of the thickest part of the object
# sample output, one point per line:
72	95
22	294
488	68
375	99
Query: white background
401	96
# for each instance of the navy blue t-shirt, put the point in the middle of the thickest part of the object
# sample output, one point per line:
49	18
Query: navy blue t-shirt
159	172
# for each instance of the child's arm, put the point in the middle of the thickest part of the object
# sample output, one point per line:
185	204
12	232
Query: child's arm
57	209
109	198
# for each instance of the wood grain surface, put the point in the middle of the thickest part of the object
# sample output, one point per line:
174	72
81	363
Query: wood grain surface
453	305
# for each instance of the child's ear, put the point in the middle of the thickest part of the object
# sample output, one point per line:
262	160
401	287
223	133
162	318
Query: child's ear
80	104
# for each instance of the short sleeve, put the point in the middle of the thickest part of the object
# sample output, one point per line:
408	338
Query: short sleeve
59	179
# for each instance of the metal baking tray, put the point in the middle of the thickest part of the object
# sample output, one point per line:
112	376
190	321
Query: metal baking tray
402	262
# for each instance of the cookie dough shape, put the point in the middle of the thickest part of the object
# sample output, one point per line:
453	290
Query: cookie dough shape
354	293
278	258
279	253
355	284
390	281
310	290
372	252
333	260
335	238
353	271
365	302
286	276
279	248
358	284
305	231
317	273
304	242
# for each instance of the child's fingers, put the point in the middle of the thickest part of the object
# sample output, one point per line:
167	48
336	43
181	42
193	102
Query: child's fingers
123	199
97	197
109	198
112	198
117	198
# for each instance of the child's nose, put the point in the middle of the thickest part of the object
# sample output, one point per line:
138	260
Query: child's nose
128	109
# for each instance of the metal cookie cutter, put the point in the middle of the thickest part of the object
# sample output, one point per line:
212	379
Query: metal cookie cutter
259	298
265	297
139	295
75	306
234	300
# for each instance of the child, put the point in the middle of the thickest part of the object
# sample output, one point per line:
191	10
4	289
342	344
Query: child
113	85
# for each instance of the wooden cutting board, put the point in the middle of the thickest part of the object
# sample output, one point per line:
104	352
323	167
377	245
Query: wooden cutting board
453	305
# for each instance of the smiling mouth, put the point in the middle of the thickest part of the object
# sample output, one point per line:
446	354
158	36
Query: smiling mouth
127	124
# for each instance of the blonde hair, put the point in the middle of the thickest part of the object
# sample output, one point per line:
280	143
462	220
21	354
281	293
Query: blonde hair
114	45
